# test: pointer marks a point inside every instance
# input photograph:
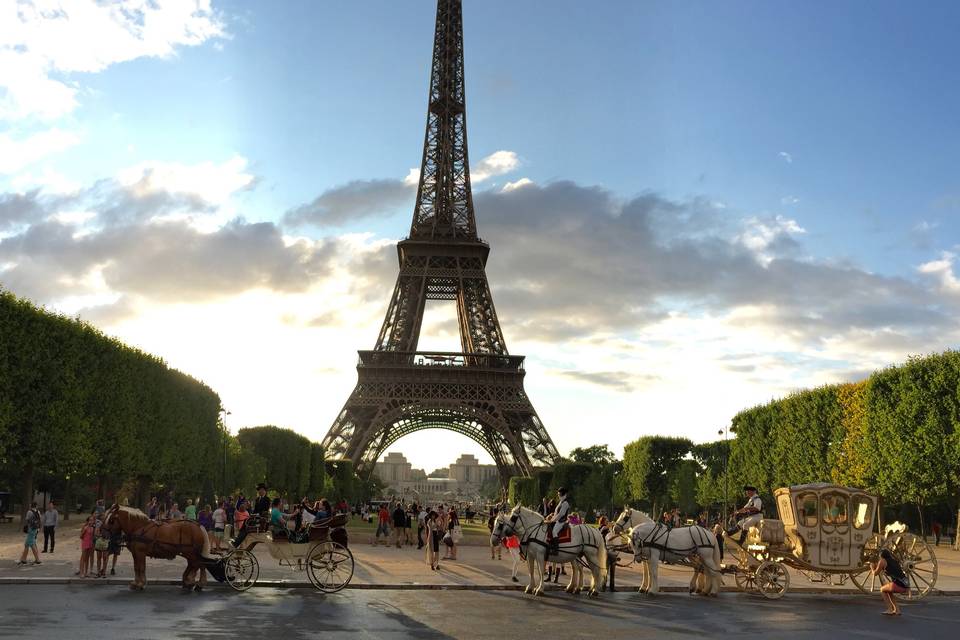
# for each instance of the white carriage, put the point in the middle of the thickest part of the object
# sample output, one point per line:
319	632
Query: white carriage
323	554
829	534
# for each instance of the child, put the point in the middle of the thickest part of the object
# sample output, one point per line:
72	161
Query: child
86	546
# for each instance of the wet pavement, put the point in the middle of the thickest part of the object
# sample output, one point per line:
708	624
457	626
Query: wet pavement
113	612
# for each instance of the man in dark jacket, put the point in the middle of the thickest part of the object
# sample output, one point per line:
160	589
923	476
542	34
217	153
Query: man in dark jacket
261	505
399	523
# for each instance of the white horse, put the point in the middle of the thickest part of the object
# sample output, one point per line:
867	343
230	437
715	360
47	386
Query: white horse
585	542
653	541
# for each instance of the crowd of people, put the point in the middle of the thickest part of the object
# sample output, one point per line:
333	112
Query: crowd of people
229	515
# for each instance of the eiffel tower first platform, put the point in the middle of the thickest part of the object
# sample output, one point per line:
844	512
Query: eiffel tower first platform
478	391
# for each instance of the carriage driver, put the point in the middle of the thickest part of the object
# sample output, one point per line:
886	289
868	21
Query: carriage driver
558	517
750	514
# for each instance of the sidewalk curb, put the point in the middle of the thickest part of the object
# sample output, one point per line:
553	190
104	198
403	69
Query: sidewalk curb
302	584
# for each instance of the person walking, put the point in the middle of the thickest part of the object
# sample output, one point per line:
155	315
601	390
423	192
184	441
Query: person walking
113	549
219	518
936	528
435	531
452	536
512	543
399	522
51	518
153	509
31	527
101	544
609	537
190	513
421	526
383	525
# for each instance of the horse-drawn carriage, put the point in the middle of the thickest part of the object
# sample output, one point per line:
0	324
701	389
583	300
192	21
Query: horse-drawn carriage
322	551
831	534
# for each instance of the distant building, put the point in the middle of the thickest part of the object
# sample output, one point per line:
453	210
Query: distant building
462	480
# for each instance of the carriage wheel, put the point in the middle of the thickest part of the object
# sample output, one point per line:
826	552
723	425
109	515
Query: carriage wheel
918	561
773	579
746	580
330	566
241	569
863	577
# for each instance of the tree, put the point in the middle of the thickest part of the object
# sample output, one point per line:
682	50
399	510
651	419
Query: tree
648	464
524	491
597	454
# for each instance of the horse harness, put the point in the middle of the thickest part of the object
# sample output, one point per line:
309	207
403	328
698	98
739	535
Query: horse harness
138	536
659	538
527	538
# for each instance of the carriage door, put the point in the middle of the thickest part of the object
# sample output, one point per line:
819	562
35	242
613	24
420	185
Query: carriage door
808	526
834	530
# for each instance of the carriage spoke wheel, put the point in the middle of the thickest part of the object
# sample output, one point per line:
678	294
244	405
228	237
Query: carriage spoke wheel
863	577
773	580
241	569
330	566
918	561
746	580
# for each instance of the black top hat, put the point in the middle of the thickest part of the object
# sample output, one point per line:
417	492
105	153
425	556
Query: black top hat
748	487
261	486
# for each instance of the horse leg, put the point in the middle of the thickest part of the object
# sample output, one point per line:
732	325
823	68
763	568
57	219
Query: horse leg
653	564
530	569
203	578
135	585
141	571
541	563
185	580
572	585
596	577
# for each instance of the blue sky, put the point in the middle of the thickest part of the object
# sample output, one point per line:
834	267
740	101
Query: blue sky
808	136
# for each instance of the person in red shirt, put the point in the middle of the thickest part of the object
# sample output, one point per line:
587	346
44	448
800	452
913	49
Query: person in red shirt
383	525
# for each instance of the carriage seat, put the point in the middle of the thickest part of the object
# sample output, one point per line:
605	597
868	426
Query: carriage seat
769	531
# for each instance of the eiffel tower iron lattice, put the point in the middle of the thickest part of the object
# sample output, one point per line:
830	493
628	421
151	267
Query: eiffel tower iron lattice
478	391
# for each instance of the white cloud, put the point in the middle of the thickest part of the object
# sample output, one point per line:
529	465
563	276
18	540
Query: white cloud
789	200
495	164
942	270
518	184
16	154
43	39
786	157
212	182
763	234
413	177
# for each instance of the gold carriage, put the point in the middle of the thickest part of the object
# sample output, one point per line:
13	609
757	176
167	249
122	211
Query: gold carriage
829	534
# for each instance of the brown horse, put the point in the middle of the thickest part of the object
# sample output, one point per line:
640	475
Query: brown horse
167	540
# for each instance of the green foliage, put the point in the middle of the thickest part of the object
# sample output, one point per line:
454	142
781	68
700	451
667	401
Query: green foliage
912	416
74	402
598	454
523	490
287	455
649	464
683	486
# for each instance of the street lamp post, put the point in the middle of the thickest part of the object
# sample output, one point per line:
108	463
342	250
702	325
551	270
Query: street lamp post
223	466
726	472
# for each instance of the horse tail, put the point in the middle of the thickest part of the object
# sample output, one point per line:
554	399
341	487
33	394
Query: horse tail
716	552
205	549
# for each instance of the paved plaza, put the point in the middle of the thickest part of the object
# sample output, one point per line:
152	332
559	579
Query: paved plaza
113	612
383	566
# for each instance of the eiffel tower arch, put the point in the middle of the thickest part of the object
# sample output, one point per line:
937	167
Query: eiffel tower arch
478	391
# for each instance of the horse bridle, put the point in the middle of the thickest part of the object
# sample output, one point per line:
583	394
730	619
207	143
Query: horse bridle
618	526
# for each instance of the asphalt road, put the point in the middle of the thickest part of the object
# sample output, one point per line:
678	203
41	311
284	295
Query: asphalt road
102	612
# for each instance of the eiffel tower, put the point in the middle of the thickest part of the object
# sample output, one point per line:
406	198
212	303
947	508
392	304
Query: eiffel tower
478	391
